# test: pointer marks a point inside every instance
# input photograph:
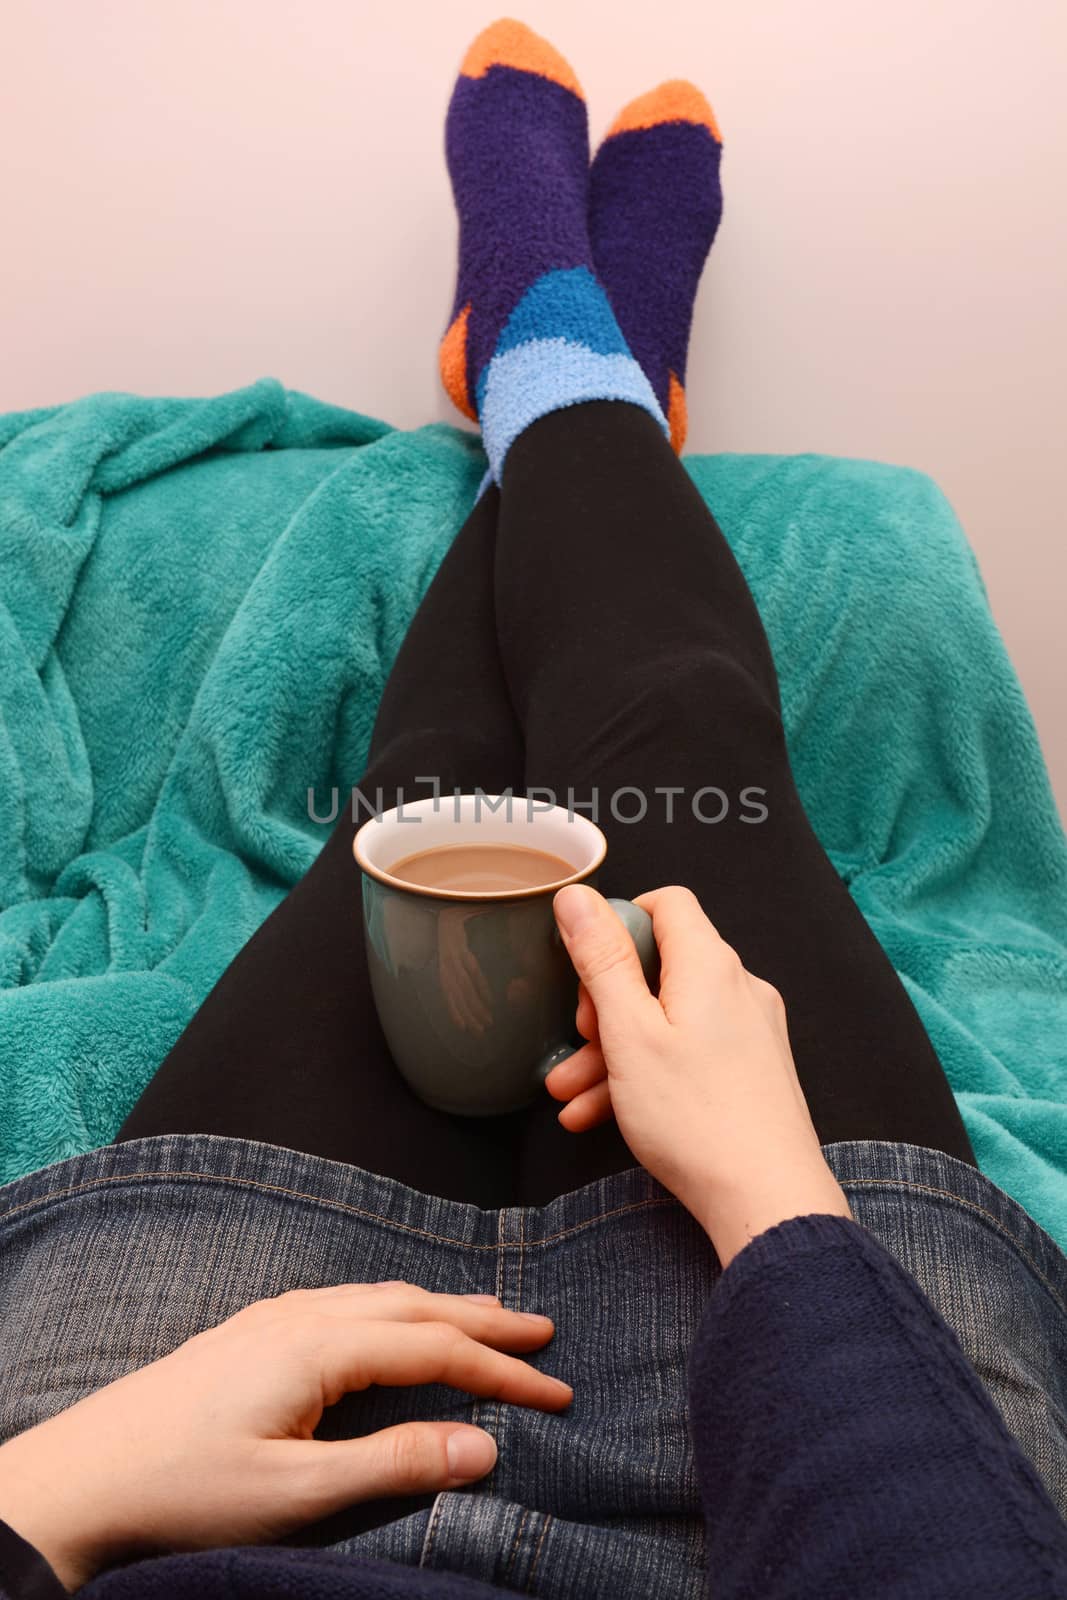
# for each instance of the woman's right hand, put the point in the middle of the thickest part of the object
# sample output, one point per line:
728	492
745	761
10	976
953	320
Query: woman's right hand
701	1080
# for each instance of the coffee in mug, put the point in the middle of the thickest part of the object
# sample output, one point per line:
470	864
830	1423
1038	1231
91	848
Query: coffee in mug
481	867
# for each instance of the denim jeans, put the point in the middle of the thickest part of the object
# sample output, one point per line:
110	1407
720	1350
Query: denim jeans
111	1259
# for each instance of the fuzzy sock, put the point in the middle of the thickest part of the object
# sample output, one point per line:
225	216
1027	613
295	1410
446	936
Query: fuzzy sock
654	206
531	330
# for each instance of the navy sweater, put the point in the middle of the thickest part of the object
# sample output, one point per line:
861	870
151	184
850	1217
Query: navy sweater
845	1446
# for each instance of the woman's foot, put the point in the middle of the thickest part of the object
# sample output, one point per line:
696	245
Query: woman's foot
654	207
532	330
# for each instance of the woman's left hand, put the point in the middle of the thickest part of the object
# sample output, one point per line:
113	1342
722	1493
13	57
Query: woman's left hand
212	1445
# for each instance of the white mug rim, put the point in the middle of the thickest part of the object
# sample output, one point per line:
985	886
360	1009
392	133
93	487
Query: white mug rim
489	896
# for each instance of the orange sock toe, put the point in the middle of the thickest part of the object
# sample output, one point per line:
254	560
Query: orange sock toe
508	43
674	101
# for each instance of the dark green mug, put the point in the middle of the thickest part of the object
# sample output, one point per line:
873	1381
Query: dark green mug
475	990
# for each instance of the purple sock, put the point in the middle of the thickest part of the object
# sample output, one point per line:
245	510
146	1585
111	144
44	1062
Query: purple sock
654	207
531	329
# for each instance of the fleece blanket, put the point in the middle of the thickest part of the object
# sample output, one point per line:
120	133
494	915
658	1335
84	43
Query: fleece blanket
199	603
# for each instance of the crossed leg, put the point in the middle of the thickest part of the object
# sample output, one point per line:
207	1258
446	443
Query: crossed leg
589	631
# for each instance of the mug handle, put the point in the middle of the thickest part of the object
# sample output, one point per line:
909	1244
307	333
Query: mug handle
638	925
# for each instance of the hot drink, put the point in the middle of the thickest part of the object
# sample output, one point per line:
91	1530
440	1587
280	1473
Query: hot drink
481	868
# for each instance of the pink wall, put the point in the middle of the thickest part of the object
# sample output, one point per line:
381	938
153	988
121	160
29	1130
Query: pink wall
199	193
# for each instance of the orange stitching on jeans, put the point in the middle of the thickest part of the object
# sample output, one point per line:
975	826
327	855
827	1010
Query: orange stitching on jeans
537	1553
515	1545
521	1261
490	1481
564	1233
968	1205
476	1414
342	1205
500	1246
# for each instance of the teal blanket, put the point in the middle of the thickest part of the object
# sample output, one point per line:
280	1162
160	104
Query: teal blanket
199	603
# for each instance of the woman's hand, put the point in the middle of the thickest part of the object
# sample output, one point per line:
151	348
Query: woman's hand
701	1080
212	1445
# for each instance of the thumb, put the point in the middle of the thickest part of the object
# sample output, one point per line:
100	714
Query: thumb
413	1458
603	954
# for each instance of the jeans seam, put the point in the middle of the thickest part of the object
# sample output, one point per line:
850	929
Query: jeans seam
343	1205
509	1569
506	1245
500	1247
563	1233
521	1261
431	1530
537	1554
967	1205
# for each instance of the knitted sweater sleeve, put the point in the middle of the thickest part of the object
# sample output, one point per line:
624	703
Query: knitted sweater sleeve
845	1444
24	1572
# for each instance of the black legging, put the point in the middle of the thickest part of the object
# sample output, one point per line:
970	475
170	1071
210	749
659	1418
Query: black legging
588	630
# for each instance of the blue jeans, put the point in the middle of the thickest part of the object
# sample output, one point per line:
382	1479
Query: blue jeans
111	1259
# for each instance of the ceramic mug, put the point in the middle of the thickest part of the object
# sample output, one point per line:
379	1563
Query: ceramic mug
475	990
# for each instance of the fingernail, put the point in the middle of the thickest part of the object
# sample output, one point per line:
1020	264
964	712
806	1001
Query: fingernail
574	907
471	1452
533	1316
483	1299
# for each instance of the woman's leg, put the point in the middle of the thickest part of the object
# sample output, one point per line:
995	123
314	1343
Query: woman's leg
287	1047
636	661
